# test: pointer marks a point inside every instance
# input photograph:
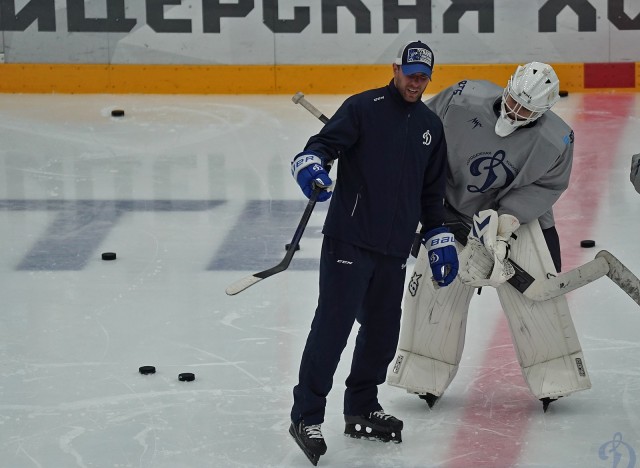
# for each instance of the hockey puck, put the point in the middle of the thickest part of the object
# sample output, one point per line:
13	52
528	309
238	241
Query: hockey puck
117	113
587	243
186	377
563	93
145	370
288	246
108	256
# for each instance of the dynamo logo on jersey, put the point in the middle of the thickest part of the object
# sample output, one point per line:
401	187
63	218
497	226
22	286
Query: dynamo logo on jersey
494	169
426	138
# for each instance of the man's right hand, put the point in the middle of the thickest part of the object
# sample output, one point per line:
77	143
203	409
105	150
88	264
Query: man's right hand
308	171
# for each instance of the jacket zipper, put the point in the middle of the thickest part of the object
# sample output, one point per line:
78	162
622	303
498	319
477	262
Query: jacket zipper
355	205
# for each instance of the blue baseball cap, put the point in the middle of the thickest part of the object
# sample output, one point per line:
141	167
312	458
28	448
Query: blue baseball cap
415	57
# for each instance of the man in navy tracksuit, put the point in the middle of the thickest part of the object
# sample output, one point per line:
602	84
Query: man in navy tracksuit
391	175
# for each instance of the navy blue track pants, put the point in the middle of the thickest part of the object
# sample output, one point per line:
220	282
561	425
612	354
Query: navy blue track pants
355	284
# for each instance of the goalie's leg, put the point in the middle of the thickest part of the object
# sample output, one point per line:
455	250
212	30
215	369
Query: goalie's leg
543	333
432	334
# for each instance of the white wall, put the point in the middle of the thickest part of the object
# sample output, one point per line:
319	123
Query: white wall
149	31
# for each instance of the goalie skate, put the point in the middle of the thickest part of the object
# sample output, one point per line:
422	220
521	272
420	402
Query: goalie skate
430	398
546	402
375	426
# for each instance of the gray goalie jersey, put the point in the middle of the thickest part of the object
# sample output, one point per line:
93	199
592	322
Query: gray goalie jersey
635	171
522	174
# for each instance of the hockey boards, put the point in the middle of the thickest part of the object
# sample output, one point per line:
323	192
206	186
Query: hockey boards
244	283
544	289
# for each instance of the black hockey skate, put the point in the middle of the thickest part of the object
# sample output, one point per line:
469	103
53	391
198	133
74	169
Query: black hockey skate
374	426
430	398
309	439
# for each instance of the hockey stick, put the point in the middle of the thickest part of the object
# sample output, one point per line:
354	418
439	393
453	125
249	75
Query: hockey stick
243	283
604	264
544	289
299	98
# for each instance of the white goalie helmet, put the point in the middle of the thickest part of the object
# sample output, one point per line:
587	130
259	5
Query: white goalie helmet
531	91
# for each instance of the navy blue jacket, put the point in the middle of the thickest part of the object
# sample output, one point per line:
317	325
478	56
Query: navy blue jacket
392	160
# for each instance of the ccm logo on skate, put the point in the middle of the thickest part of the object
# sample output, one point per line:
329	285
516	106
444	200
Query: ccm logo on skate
396	366
346	262
580	367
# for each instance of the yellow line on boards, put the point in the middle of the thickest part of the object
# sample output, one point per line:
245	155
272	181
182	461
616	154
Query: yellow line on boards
247	79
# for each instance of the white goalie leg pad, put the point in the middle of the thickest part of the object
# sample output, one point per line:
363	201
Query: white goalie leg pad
543	333
432	333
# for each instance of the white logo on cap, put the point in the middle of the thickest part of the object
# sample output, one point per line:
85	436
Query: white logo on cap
419	55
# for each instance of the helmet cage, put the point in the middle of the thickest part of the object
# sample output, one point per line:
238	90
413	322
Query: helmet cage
520	113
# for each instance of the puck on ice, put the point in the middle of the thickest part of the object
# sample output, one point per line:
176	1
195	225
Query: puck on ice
186	377
587	243
145	370
109	256
563	93
117	113
288	246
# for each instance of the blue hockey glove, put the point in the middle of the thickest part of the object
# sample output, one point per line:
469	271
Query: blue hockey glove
308	171
443	256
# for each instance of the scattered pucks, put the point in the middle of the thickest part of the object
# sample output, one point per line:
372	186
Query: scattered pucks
145	370
186	377
288	246
587	243
117	113
563	93
108	256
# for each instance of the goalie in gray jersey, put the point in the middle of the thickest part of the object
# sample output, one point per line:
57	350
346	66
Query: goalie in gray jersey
509	160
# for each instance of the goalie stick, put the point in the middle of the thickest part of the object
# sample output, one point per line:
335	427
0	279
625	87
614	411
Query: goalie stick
605	263
243	283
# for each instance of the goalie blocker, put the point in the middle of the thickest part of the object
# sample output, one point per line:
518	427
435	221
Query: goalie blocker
434	325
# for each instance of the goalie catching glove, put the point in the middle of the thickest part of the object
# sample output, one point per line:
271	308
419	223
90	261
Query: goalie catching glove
443	256
308	170
484	260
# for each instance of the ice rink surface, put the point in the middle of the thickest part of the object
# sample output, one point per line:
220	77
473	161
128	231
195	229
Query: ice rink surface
194	192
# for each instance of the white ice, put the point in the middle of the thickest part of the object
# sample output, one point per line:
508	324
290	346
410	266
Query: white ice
194	192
